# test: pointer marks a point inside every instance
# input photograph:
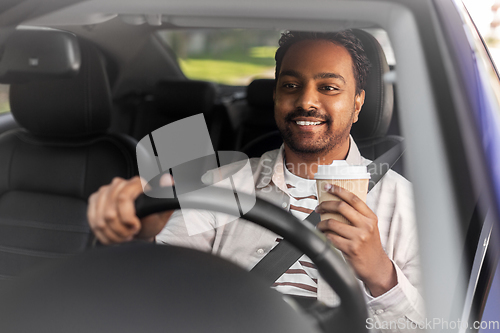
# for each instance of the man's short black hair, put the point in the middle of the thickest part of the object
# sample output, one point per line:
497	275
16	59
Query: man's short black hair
361	64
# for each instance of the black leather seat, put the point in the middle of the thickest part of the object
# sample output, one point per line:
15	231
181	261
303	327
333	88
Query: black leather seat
174	100
369	132
258	112
51	165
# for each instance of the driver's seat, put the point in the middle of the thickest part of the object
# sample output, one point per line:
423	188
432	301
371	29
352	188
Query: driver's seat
51	165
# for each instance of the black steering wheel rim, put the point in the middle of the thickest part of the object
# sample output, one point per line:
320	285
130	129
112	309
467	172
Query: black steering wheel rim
352	312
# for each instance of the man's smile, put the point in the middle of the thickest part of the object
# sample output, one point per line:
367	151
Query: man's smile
308	123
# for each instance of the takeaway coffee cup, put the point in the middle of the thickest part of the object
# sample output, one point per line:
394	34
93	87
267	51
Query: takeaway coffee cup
353	178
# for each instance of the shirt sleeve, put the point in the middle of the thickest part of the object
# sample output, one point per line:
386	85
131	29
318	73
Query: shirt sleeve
400	309
189	228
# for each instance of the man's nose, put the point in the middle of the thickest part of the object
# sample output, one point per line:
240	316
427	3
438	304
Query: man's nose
307	98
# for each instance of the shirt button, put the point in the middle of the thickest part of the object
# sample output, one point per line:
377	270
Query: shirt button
284	205
260	251
379	311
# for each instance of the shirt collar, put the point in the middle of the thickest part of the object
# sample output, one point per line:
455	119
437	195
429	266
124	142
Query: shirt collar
278	173
353	156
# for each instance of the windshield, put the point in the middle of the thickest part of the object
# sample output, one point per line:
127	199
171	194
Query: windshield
232	57
235	56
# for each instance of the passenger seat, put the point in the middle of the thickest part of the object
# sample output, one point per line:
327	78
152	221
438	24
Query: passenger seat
50	166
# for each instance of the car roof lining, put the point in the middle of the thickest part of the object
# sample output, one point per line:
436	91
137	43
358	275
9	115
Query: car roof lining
14	12
220	13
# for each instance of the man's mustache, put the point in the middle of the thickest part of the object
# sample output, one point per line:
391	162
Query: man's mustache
304	113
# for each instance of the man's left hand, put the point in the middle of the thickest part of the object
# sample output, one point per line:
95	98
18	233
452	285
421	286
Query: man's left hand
360	241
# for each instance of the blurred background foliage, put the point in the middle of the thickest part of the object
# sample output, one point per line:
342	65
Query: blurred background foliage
233	57
4	98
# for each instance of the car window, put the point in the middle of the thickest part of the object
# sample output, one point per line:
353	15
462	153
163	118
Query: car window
232	57
4	98
235	56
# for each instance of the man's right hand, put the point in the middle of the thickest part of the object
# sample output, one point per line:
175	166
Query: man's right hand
111	212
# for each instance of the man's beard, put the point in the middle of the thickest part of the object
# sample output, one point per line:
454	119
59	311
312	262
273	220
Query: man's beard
326	143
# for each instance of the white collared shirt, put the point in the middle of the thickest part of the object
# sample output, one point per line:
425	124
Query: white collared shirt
245	243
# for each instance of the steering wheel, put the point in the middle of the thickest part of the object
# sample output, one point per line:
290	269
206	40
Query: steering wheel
351	315
150	288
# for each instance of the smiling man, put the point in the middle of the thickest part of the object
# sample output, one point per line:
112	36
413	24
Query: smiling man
317	99
318	95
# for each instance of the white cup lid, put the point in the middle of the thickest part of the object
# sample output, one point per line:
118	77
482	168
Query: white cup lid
341	170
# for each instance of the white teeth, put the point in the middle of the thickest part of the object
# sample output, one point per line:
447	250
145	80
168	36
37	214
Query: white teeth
307	123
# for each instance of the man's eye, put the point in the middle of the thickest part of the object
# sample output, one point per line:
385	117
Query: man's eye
290	85
329	88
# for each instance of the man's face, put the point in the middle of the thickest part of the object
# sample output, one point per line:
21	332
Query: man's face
315	103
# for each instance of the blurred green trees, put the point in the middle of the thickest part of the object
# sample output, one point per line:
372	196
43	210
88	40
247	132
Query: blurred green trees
233	57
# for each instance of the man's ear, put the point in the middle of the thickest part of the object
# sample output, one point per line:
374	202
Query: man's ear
359	100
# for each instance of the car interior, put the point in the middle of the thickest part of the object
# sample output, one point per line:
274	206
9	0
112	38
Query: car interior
79	115
68	133
79	136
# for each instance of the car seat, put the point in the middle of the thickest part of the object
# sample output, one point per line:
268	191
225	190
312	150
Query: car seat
174	100
51	165
374	119
7	122
257	113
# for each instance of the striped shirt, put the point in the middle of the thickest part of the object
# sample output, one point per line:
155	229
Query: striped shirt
245	243
301	278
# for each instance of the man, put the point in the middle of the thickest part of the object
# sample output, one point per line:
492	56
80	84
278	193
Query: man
318	96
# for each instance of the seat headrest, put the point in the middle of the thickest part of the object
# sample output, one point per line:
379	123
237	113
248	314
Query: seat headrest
376	113
180	99
38	54
260	94
73	107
